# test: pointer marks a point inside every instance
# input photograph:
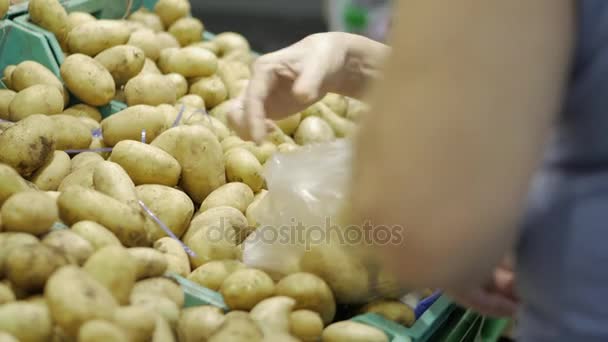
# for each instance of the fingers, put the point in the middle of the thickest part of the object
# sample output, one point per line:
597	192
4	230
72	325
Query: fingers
308	85
487	303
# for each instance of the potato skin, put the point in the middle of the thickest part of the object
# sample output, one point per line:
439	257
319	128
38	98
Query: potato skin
237	195
50	175
192	62
114	268
123	62
26	321
352	331
101	331
166	40
29	212
70	132
145	39
146	164
28	144
77	18
10	183
173	207
243	166
313	130
211	89
29	73
228	42
29	267
50	15
212	274
199	323
83	110
74	297
148	261
27	102
180	83
150	89
76	248
128	124
171	10
97	235
244	288
187	30
93	37
310	293
88	79
6	96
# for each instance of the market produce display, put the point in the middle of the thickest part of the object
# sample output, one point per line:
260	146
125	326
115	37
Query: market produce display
96	211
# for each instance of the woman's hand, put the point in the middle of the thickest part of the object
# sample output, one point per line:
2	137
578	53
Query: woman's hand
289	80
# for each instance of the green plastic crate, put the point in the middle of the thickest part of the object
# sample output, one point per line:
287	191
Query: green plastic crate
421	331
468	326
18	43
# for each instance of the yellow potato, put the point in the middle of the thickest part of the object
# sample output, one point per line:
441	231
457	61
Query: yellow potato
232	142
149	68
187	30
93	37
90	124
212	274
199	323
150	89
336	103
111	179
180	84
28	267
228	222
146	164
76	248
88	79
277	137
290	123
83	176
159	287
173	207
77	18
163	331
97	235
229	42
83	110
97	144
16	319
80	204
310	293
10	183
306	325
352	331
146	40
4	6
6	294
251	209
392	310
29	73
175	255
212	243
101	331
313	130
123	62
29	212
221	111
136	321
148	261
192	62
200	155
356	109
70	132
211	89
166	40
158	304
129	123
209	45
50	175
243	166
234	74
27	102
170	11
83	159
6	96
114	268
211	123
148	19
240	328
192	101
74	297
170	113
165	54
7	74
50	15
28	145
341	126
237	195
245	288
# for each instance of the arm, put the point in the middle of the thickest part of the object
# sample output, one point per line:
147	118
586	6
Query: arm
466	104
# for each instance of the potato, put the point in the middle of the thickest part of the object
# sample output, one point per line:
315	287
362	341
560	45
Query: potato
212	243
163	332
50	15
83	110
101	331
98	145
237	195
180	84
4	125
6	337
392	310
265	151
356	109
70	132
232	142
232	222
150	89
272	315
336	103
76	248
82	177
149	68
77	18
239	328
54	195
170	11
290	123
159	287
211	89
173	207
192	101
221	111
146	164
8	241
97	235
387	286
170	113
165	54
187	30
245	288
161	305
83	159
28	267
26	102
114	268
93	37
129	123
209	45
175	255
29	73
4	6
250	213
352	331
88	79
243	166
136	321
149	20
212	274
123	61
234	75
74	297
211	123
310	293
111	179
145	39
200	155
306	325
6	96
80	204
90	124
341	126
49	176
192	62
6	294
148	261
29	212
27	322
199	323
313	130
229	42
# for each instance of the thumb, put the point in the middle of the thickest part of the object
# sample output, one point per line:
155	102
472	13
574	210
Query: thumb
308	85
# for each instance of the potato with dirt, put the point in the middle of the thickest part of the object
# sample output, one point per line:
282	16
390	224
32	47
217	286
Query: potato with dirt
49	176
88	79
29	212
146	164
82	176
28	267
173	207
123	62
26	102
